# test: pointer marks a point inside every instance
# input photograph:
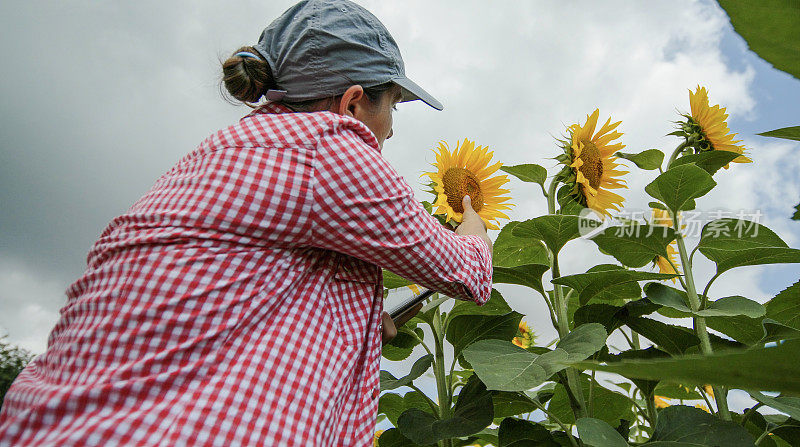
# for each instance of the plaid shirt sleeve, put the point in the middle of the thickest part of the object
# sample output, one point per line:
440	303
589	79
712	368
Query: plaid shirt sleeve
364	208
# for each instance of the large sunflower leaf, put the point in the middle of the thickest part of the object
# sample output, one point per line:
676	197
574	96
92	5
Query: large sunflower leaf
507	403
680	185
770	28
467	329
634	244
393	405
522	370
688	426
672	339
390	382
401	346
742	329
532	173
568	203
597	433
393	281
393	438
589	285
529	275
724	307
734	243
521	433
785	306
710	161
512	251
472	413
649	160
555	230
612	317
787	133
496	305
609	406
772	368
788	405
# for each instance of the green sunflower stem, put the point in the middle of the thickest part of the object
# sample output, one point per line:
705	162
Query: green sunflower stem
439	372
681	147
699	322
579	403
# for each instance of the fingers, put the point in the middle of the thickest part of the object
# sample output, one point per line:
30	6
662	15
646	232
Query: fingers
470	215
403	319
388	329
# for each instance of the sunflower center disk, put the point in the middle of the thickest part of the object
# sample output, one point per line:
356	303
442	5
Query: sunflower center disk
592	167
460	182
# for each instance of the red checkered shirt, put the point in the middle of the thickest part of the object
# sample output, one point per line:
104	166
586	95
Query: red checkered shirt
239	301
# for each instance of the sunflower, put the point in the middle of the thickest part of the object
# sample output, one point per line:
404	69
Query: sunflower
466	171
524	338
706	126
590	164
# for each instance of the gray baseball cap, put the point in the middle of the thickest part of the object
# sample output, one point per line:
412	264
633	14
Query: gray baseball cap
319	48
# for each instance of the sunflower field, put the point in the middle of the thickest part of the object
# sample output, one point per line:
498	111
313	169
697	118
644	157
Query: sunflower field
685	348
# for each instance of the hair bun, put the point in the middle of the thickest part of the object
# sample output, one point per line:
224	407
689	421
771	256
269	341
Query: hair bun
246	79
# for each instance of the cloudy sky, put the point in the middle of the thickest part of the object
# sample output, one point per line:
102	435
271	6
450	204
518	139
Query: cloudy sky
100	98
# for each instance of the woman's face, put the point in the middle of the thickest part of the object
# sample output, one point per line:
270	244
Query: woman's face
379	119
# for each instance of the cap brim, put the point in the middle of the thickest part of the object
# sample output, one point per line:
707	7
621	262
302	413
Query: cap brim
412	91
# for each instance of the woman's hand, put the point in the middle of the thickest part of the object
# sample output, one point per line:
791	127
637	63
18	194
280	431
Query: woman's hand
472	224
389	326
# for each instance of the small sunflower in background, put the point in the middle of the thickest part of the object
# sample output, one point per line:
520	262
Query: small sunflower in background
466	171
524	338
591	164
706	127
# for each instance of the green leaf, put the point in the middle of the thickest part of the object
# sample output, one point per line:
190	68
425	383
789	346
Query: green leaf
657	205
796	215
531	173
513	251
785	306
529	275
710	161
635	245
520	433
679	185
393	438
583	341
724	307
467	329
609	406
770	29
612	317
677	391
787	133
400	347
649	160
389	382
673	339
496	305
773	368
788	405
568	203
393	405
775	331
693	426
597	433
522	370
742	329
554	230
472	413
508	403
734	243
589	285
392	281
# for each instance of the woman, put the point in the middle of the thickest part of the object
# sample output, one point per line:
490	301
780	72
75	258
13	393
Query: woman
238	301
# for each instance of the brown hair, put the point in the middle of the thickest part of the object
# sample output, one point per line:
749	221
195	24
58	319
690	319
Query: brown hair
247	79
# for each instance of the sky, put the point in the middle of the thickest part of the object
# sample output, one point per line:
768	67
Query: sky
101	98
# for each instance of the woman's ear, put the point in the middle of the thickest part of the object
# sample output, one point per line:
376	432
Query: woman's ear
353	102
